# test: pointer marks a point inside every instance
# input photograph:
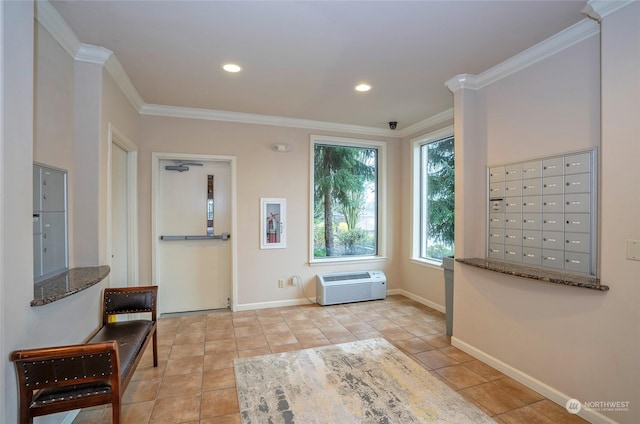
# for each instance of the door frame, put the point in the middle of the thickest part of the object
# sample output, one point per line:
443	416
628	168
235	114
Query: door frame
117	137
156	157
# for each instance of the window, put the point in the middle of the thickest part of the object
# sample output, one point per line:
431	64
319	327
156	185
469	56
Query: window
346	198
436	196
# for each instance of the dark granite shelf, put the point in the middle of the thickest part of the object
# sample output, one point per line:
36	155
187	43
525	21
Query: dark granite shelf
69	282
549	276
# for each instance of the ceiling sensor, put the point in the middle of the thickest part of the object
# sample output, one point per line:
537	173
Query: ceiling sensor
281	147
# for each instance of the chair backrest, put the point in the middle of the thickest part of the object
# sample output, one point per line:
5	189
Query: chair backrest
66	365
130	300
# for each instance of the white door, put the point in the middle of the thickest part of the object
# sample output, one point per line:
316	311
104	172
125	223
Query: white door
119	222
193	275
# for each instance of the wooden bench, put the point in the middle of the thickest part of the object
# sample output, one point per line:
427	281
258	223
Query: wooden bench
63	378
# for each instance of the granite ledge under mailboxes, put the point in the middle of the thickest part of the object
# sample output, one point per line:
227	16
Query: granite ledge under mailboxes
535	273
67	283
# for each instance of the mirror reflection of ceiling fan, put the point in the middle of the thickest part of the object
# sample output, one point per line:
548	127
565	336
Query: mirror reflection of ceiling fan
182	165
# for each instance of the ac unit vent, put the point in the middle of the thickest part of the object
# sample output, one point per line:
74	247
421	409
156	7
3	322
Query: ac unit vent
348	287
346	277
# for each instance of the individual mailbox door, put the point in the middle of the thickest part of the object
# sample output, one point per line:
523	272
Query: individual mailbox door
53	190
577	164
552	204
512	172
577	242
513	204
496	220
513	188
532	221
496	235
552	185
577	222
553	222
496	174
496	190
579	203
532	256
531	238
496	251
532	204
512	237
532	169
578	262
513	253
577	183
553	258
532	187
553	167
513	221
553	240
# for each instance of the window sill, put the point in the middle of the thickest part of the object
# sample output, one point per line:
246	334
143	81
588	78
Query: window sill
427	263
347	260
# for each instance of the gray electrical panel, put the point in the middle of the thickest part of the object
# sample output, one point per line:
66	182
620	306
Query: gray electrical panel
49	221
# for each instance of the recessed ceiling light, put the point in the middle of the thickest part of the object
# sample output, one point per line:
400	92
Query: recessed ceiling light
231	67
363	87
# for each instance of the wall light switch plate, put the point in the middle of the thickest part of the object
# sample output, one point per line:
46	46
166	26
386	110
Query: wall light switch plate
633	250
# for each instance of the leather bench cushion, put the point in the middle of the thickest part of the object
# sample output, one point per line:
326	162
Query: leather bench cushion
57	394
129	335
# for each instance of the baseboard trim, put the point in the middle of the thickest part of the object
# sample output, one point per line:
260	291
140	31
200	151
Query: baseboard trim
425	302
305	301
274	304
529	381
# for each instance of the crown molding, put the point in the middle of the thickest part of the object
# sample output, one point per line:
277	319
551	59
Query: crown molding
92	54
122	80
463	81
51	20
428	123
598	9
249	118
564	39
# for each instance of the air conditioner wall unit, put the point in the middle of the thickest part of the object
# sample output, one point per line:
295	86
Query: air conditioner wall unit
345	287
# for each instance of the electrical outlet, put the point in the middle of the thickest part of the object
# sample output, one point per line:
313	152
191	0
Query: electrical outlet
281	283
294	281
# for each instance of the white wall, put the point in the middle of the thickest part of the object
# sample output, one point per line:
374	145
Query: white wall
261	172
24	326
618	321
61	88
568	342
53	127
421	281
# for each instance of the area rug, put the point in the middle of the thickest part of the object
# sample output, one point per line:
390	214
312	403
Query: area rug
368	381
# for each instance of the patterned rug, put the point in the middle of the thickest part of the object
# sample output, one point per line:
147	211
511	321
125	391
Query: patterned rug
368	381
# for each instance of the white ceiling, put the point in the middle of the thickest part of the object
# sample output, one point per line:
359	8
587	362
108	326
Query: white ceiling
301	59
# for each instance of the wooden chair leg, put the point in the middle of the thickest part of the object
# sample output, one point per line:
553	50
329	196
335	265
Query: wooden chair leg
155	348
115	411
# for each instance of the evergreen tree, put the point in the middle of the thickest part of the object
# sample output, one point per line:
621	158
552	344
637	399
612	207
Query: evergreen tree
341	174
440	191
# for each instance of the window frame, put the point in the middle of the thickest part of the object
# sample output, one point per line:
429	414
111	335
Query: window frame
416	206
381	196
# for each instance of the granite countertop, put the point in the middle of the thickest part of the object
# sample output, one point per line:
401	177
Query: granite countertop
535	273
69	282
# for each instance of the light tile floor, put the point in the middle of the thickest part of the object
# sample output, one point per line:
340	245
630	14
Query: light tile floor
195	384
